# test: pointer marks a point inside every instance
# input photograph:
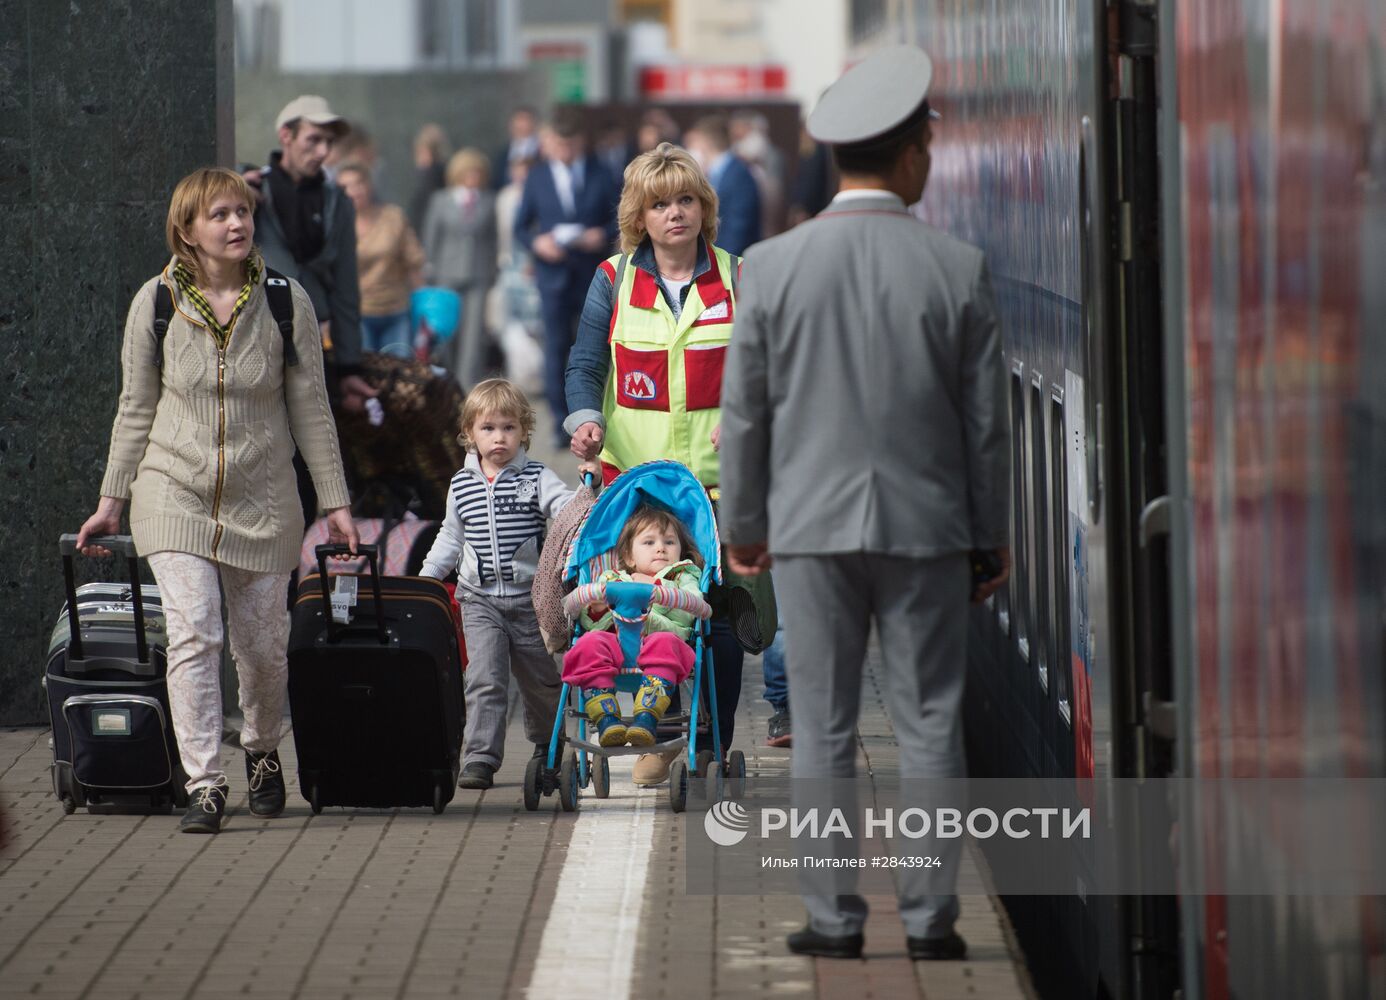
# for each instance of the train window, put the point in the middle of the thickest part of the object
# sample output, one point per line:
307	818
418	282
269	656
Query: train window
1039	534
1060	657
1019	517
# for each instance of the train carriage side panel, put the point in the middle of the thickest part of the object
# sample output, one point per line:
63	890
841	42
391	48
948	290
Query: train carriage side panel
1276	180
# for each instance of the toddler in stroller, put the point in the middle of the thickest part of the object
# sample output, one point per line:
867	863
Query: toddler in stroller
654	547
642	560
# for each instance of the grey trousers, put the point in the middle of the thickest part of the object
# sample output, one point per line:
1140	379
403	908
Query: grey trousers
919	606
470	342
502	639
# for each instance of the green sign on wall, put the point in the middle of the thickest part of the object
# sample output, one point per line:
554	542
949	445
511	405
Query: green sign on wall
568	80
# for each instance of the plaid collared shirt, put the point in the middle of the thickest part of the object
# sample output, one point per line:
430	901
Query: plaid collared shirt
187	284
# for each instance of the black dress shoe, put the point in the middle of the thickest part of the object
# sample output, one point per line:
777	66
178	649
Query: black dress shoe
477	775
944	949
267	795
809	942
206	806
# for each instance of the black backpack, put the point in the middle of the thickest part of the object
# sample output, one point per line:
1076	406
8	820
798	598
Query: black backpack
281	304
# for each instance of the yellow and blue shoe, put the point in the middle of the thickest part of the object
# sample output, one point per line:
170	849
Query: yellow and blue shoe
605	713
651	702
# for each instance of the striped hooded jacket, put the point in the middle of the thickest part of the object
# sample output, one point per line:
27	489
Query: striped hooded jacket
493	532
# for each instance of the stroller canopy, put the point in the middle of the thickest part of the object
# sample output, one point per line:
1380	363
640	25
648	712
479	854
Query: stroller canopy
667	485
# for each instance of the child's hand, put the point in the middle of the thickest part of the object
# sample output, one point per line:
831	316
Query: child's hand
596	609
594	467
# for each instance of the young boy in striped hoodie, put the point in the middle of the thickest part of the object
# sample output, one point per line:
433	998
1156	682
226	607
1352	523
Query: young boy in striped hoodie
499	502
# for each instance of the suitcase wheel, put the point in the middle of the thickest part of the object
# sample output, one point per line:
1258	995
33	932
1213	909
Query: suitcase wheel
69	805
314	799
438	803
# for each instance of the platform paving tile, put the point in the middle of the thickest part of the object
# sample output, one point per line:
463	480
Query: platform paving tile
381	903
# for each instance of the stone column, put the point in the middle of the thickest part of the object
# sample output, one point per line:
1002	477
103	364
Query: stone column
103	107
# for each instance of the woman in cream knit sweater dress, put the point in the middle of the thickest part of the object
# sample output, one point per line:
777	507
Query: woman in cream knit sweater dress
202	449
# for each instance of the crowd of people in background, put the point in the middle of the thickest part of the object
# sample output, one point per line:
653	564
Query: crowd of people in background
518	231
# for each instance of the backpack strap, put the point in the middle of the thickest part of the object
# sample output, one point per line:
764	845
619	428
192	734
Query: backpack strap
163	312
281	304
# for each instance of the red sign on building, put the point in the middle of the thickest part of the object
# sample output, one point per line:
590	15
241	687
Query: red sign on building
701	82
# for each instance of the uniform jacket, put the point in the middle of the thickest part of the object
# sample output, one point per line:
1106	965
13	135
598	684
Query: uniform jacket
461	245
541	209
205	453
492	532
330	278
863	405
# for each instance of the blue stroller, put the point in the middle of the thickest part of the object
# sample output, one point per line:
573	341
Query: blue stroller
670	486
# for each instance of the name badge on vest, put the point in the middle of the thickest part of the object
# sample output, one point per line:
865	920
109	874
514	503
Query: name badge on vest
719	311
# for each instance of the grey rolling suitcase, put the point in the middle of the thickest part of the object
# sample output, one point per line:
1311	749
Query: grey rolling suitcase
113	742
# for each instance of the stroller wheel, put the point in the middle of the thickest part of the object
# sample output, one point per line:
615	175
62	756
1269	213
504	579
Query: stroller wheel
705	762
601	777
736	775
568	782
678	786
533	775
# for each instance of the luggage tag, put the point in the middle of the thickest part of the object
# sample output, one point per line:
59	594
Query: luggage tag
343	598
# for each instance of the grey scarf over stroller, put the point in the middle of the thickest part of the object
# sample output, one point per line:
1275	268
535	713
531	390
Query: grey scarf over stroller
549	587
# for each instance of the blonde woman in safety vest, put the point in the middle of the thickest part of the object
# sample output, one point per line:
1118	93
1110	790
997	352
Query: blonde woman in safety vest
644	378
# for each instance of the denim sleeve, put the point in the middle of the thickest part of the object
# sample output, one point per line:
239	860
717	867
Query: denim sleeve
589	362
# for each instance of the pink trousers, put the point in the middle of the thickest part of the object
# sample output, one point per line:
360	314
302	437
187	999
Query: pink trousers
596	658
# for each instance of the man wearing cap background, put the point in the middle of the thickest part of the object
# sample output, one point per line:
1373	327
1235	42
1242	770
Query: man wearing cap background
306	229
865	447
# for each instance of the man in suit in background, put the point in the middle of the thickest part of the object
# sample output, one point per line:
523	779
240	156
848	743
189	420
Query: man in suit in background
865	445
567	222
521	143
738	197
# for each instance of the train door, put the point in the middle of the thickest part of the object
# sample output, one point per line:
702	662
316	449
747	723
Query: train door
1131	362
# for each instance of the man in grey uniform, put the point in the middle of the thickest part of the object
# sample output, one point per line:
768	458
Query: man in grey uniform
865	446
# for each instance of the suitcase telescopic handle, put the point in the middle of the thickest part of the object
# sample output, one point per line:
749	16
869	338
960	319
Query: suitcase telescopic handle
125	546
372	554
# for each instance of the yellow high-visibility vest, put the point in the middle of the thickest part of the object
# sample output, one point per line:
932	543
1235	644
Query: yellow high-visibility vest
664	396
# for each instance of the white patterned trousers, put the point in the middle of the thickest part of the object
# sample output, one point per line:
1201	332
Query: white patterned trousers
258	621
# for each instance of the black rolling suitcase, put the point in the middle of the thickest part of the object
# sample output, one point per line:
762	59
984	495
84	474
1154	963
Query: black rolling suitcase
113	742
376	702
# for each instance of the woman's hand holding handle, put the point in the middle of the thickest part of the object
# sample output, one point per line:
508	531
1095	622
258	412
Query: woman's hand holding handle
106	521
341	530
587	440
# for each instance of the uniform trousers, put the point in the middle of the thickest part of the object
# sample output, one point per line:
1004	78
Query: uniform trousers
919	606
258	623
503	638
